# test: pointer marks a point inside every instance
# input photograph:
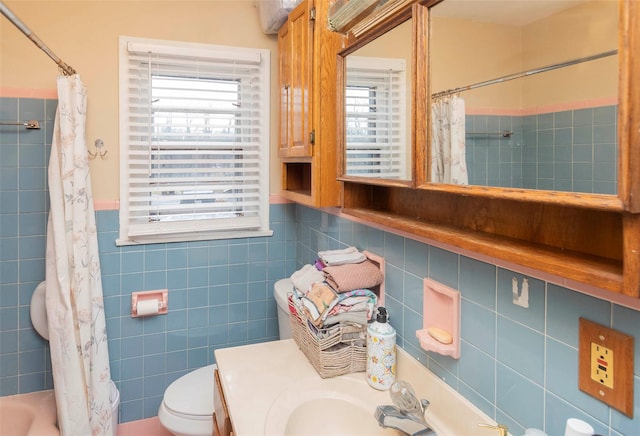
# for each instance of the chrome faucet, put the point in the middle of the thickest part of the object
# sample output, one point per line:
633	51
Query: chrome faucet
408	413
502	429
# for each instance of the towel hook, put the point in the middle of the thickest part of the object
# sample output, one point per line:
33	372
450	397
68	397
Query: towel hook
98	144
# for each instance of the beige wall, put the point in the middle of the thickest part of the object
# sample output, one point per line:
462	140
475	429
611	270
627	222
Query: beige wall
466	52
84	34
584	30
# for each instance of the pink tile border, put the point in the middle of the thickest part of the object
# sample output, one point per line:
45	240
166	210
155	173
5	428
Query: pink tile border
278	199
106	204
574	105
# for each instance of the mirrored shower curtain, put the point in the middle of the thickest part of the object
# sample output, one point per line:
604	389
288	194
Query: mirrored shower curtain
75	310
448	156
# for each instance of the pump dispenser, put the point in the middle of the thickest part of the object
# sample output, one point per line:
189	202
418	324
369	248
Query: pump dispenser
381	352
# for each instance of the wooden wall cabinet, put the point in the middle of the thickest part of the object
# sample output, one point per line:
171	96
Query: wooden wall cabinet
295	47
307	83
584	239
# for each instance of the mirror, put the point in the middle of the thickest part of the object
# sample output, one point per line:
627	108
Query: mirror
377	95
524	94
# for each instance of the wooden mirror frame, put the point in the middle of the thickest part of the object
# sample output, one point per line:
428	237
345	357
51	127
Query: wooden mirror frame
580	241
628	141
418	76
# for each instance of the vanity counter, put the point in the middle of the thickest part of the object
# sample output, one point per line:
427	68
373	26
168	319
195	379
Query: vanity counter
254	376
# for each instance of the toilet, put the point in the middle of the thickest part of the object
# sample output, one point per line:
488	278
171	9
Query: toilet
280	290
38	310
187	404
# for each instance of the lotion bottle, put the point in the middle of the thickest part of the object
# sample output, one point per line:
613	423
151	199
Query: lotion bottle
381	352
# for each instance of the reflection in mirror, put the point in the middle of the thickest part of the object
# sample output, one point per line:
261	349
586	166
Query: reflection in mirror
524	94
375	100
377	107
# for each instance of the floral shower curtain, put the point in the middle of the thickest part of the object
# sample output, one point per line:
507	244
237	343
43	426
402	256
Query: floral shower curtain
448	160
75	311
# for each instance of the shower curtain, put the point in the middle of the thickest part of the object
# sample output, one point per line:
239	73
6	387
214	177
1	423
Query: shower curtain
448	160
75	311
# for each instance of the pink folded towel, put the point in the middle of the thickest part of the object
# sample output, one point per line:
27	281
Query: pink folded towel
345	278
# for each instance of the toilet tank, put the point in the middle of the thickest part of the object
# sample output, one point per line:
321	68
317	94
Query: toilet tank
280	291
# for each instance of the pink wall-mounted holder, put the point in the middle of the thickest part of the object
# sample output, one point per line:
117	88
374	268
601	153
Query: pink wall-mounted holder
441	319
379	262
149	303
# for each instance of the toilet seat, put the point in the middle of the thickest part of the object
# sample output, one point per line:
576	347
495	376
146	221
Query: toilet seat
191	396
187	406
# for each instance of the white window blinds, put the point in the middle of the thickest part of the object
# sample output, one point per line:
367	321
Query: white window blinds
194	140
375	116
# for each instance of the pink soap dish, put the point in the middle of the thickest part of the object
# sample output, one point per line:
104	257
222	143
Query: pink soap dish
441	310
379	262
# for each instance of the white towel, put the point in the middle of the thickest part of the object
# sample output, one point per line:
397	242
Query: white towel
341	257
305	277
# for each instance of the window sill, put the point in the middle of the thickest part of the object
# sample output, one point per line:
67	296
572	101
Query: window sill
200	236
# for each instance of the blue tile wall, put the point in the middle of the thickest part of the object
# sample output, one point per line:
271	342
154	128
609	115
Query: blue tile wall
24	357
514	362
220	295
493	159
517	365
573	150
220	292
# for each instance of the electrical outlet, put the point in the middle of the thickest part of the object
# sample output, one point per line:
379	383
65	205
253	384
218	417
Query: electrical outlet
602	365
605	365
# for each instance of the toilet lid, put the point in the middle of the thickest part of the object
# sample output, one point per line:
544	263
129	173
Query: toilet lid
38	310
192	394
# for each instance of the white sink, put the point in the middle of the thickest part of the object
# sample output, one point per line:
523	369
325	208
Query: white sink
343	406
272	389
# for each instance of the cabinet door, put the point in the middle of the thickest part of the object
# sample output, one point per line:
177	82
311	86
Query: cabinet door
221	419
297	37
284	79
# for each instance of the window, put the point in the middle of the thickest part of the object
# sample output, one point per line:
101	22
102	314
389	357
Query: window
375	106
194	138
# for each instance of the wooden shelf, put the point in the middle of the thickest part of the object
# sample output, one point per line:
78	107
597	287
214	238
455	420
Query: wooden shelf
298	197
296	177
592	270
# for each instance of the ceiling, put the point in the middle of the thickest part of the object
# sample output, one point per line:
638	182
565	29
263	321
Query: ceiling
507	12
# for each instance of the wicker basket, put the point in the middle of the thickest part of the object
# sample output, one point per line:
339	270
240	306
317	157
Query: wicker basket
338	350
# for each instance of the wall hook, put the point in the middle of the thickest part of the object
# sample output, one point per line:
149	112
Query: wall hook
98	145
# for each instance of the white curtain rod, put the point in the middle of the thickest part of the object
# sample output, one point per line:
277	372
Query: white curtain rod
523	74
64	68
